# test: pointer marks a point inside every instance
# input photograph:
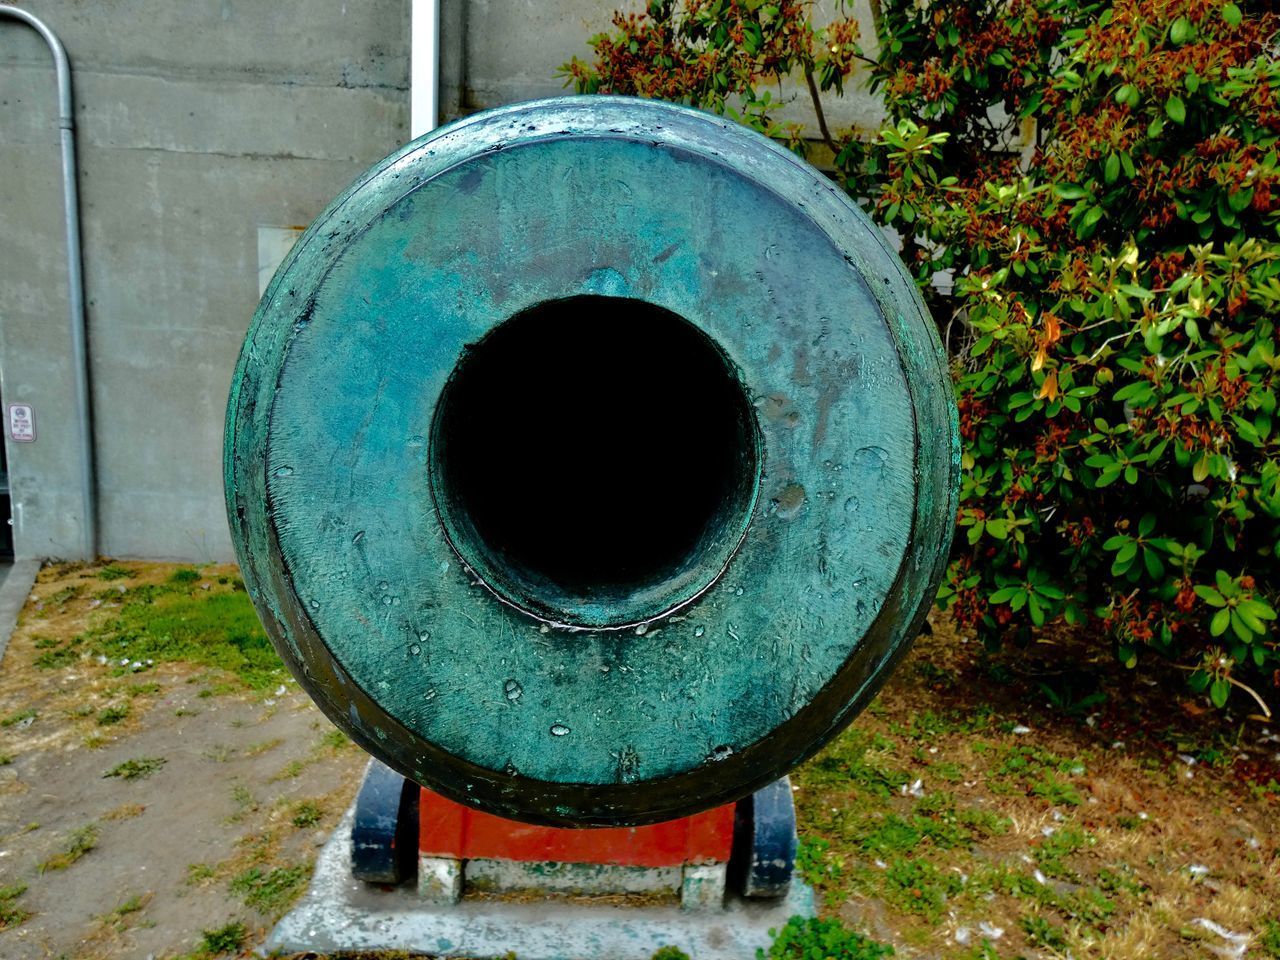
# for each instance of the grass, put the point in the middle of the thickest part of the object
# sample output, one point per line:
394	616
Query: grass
20	717
168	622
307	814
113	715
270	892
12	915
113	571
966	799
245	803
227	939
126	811
199	873
820	939
81	842
120	919
136	769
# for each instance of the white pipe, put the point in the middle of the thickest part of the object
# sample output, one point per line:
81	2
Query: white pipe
75	275
424	67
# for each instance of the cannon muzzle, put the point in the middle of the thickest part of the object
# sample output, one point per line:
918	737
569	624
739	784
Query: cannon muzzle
591	461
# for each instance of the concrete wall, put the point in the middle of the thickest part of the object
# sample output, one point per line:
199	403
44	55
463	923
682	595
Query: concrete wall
199	122
208	129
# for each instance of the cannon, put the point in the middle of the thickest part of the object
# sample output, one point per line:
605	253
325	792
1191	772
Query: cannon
591	461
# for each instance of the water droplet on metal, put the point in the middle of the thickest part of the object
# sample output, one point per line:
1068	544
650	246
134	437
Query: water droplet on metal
699	631
738	591
513	690
384	586
851	505
284	471
358	537
429	695
315	604
642	629
559	729
424	636
414	649
387	600
722	752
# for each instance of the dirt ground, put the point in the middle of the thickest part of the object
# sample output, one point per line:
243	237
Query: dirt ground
233	789
1040	803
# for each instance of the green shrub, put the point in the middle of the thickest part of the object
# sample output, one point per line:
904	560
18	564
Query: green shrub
1098	184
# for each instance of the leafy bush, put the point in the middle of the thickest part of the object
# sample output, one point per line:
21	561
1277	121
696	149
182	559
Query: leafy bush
1098	185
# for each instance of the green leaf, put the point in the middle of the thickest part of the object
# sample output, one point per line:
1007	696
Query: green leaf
1155	568
1218	692
1111	170
1232	15
1258	609
1004	594
1176	109
1070	191
1248	618
1210	596
1037	612
1221	620
1240	627
1181	31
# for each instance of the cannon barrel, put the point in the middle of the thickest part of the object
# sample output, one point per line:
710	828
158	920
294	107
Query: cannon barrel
591	461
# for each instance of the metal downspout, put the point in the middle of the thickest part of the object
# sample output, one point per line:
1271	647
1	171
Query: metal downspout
75	274
424	67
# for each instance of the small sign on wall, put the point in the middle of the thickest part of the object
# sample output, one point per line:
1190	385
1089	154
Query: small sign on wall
22	423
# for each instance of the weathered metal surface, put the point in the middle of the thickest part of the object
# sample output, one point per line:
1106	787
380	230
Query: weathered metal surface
765	842
384	838
506	680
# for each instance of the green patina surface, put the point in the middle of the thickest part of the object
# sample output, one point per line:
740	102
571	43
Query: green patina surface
733	681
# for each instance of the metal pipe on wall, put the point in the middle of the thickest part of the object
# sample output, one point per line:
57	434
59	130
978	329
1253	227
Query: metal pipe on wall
424	67
75	274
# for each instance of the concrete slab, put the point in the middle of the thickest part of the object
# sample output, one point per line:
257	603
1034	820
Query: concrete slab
341	913
16	580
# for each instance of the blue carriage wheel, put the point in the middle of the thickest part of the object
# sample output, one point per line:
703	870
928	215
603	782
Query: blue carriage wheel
764	842
384	835
591	461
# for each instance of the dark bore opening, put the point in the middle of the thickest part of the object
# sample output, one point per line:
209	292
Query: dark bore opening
595	460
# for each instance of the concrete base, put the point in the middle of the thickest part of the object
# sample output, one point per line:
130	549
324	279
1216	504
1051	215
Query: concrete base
342	913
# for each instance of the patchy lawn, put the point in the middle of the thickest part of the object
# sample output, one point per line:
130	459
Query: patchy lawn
1037	804
164	785
164	788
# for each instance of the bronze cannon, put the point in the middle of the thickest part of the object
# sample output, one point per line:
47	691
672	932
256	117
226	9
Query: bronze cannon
591	461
